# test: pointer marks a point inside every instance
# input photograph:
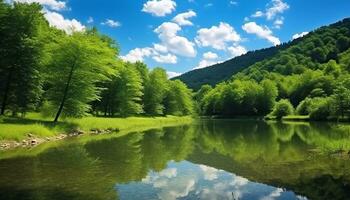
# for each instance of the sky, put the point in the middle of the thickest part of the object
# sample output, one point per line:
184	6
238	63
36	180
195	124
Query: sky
182	35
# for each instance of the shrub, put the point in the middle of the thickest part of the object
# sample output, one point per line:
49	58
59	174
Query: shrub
282	108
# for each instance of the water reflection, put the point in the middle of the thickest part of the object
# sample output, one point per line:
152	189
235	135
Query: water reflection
185	180
206	160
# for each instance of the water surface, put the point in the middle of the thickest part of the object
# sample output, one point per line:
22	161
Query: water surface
220	159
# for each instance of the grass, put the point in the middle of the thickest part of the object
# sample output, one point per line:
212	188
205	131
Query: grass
18	128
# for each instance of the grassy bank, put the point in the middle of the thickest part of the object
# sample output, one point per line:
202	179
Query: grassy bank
19	128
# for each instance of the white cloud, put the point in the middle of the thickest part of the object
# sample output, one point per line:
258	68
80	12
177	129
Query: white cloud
90	20
258	14
167	33
262	32
237	50
111	23
159	8
160	48
233	2
277	7
182	18
272	12
217	36
210	55
209	59
278	22
274	194
299	35
51	4
172	74
137	54
206	63
209	173
169	58
57	20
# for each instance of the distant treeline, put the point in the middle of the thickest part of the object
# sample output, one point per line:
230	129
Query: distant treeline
310	77
45	69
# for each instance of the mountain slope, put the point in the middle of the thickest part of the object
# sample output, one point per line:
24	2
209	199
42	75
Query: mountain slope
224	71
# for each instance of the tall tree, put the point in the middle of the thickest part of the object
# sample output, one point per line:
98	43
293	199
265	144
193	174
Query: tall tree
129	91
179	99
155	90
21	26
77	63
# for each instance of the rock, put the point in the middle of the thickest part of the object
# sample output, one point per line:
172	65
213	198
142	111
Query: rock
48	139
30	135
24	142
33	142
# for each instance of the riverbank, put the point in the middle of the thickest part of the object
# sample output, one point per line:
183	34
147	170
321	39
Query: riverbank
34	129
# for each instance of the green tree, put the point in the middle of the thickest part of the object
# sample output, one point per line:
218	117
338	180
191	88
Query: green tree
179	99
129	91
341	98
21	26
77	63
155	91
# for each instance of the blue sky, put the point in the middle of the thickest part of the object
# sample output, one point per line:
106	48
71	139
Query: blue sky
180	35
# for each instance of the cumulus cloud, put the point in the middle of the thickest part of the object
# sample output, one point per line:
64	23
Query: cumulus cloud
167	33
262	32
217	36
168	58
157	53
137	54
111	23
274	194
209	59
299	35
172	74
182	18
278	22
159	8
57	20
237	50
51	4
210	55
277	7
258	14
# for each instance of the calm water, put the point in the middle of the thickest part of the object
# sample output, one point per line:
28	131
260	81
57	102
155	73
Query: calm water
207	160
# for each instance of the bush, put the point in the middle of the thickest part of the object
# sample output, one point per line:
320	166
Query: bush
282	108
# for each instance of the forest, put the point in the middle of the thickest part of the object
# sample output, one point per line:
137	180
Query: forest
309	77
46	70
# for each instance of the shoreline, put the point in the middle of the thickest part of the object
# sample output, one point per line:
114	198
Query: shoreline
123	126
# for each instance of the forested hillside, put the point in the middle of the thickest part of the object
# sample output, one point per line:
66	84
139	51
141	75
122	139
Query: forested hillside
74	74
223	71
311	75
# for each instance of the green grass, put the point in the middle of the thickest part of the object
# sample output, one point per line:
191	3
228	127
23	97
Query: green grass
18	128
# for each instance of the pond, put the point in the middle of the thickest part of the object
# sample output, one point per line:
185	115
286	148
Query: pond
213	159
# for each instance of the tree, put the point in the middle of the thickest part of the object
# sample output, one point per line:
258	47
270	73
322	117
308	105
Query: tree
77	63
129	91
267	97
155	90
282	108
20	55
179	99
341	98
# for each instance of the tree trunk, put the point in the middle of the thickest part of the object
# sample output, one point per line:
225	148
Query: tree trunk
65	91
7	90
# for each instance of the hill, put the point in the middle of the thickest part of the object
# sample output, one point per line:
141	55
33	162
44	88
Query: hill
217	73
310	74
